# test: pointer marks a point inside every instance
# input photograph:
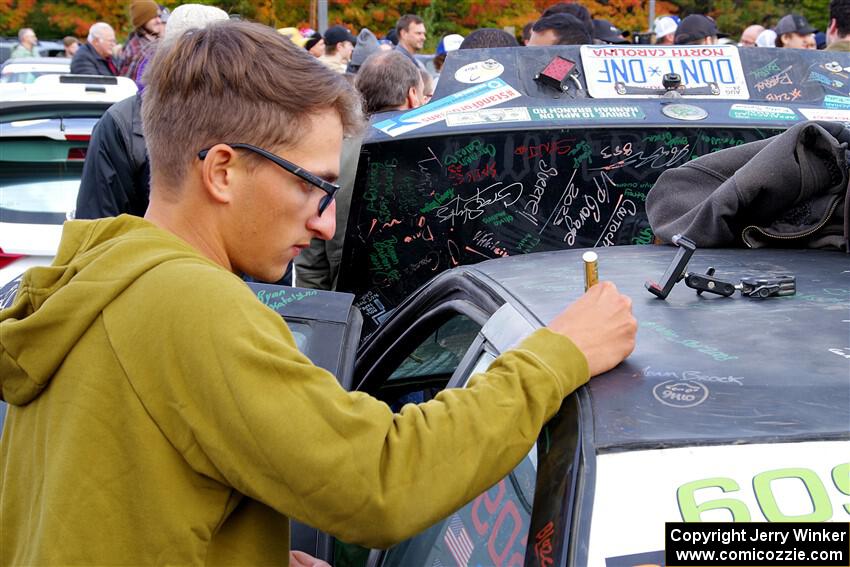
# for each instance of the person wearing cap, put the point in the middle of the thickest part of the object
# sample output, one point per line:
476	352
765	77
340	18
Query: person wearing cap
749	35
339	45
411	36
838	30
95	57
147	28
606	32
794	31
665	30
697	29
447	44
559	29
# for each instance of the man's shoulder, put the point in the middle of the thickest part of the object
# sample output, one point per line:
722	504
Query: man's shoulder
84	55
179	277
840	45
83	51
124	110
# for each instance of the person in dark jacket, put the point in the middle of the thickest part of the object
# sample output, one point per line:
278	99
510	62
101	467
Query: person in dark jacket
116	173
95	57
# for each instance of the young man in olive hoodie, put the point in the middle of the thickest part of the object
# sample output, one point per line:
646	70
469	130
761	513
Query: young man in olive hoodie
160	414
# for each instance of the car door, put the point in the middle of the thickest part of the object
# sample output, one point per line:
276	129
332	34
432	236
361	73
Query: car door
451	329
326	327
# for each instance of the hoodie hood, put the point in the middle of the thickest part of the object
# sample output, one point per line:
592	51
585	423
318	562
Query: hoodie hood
56	304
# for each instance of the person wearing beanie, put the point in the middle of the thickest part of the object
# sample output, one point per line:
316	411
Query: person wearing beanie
315	44
367	44
184	18
192	16
147	28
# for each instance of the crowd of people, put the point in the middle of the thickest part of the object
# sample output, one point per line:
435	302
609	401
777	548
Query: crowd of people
565	23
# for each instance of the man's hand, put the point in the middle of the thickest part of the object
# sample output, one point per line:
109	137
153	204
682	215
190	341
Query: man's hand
301	559
601	325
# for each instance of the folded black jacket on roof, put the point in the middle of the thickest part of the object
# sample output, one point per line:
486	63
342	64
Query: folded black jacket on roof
789	190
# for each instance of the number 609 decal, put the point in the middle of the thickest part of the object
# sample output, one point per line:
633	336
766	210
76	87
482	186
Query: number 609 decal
821	506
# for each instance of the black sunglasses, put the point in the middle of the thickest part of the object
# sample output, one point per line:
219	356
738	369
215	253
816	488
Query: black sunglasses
329	188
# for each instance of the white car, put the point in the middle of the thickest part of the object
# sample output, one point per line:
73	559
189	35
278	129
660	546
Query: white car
45	128
28	69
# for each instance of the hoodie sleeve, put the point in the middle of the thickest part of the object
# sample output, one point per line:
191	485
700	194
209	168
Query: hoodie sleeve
230	391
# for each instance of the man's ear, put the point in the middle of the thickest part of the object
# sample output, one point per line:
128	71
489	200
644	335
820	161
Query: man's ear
413	100
219	173
832	28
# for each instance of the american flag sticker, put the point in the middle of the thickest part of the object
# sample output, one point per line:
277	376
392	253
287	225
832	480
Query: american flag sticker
458	541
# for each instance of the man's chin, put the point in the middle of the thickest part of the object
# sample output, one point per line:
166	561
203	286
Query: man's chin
271	276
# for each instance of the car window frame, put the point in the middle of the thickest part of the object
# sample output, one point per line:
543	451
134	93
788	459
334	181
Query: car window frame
416	319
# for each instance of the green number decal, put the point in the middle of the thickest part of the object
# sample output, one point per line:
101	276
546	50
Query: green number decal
821	506
691	511
841	478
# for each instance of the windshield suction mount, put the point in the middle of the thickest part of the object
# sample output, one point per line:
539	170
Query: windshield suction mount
672	87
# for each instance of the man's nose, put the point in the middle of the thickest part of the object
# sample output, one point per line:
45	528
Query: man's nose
324	225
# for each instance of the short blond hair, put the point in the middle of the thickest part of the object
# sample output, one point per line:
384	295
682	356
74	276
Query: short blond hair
234	82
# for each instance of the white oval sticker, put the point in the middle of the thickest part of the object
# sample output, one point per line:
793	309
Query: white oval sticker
479	72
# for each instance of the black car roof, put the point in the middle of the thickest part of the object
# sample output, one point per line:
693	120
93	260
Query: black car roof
709	369
497	162
796	83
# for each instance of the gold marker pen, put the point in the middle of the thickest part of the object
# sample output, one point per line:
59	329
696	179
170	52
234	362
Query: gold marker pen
591	269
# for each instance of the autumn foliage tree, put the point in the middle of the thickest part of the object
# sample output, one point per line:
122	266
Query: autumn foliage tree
73	17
